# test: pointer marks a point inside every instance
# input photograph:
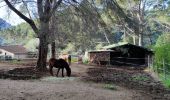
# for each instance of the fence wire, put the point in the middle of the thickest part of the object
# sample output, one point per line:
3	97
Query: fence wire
162	71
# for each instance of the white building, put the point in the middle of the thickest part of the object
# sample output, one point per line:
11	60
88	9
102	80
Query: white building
13	52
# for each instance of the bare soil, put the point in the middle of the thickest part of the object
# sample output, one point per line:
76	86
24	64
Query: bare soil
22	82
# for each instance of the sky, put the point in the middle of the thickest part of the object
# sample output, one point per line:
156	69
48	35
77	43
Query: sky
13	19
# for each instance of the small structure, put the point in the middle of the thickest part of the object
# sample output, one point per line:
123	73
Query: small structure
100	57
122	54
13	52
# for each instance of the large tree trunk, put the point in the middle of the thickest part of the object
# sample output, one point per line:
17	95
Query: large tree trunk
43	46
42	58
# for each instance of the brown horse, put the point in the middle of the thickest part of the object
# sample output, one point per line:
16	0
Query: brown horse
60	64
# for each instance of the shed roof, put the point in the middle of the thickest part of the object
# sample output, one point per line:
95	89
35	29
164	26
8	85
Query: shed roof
101	51
16	49
115	45
122	44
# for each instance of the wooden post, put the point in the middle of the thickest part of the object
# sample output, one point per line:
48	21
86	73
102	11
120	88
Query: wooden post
156	70
109	58
164	69
149	63
152	65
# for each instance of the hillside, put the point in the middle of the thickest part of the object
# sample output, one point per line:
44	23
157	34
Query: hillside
4	24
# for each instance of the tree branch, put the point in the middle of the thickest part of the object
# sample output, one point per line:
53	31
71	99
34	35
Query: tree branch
29	21
40	8
55	6
25	4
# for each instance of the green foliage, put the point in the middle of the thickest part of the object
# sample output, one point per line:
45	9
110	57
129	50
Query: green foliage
166	82
162	55
19	34
162	51
110	86
74	59
32	44
70	48
163	40
140	78
80	28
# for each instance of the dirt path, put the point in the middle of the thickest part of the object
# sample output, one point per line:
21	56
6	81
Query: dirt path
52	88
73	88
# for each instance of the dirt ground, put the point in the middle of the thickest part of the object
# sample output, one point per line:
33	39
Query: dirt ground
67	88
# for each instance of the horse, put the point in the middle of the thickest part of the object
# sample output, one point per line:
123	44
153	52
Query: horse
60	64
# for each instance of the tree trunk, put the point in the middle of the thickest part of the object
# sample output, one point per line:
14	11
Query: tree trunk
53	49
140	40
134	40
42	58
43	46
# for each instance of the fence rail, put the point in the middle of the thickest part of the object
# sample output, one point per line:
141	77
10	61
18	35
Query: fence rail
124	61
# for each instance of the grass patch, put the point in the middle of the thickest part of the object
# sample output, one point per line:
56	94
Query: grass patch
74	59
15	62
166	82
140	78
110	86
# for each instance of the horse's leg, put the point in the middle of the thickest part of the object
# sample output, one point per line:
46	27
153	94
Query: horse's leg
62	72
51	69
58	71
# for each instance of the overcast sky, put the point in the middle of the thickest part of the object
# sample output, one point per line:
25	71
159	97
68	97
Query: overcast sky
13	19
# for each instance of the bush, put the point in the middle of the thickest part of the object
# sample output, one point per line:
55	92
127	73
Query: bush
162	51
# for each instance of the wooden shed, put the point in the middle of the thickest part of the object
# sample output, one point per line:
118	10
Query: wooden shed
122	54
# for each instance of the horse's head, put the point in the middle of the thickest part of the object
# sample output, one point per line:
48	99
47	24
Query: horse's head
52	61
68	72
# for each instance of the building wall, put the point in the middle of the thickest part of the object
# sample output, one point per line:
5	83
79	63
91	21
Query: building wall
20	56
6	53
99	57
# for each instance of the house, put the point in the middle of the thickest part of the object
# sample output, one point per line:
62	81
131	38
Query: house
122	54
13	52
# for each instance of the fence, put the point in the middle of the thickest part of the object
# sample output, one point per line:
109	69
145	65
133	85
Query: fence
124	61
162	70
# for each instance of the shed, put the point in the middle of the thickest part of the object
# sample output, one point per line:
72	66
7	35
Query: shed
127	54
